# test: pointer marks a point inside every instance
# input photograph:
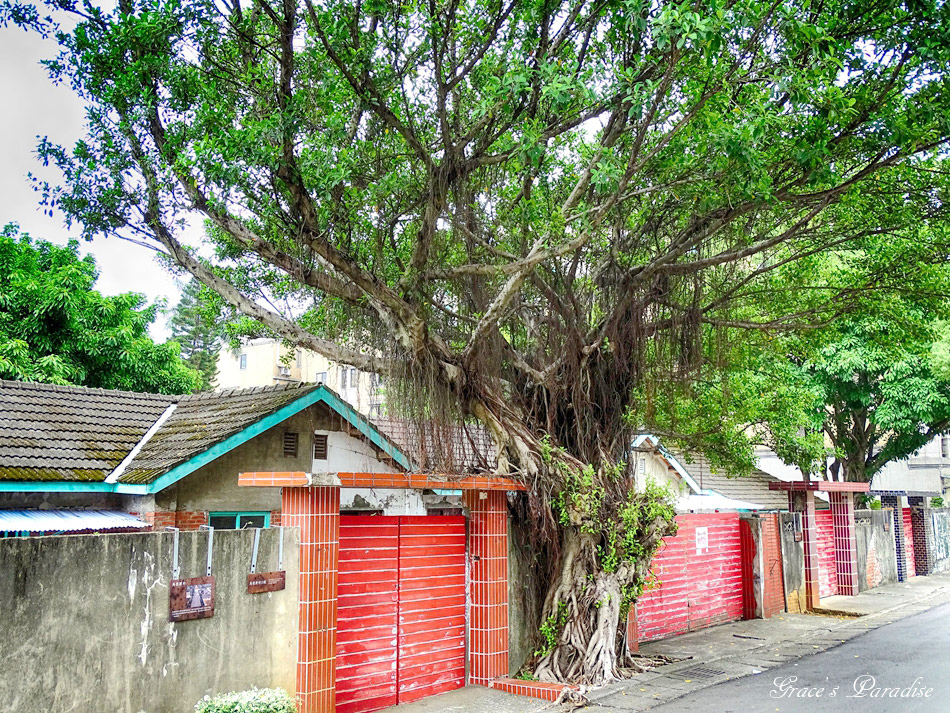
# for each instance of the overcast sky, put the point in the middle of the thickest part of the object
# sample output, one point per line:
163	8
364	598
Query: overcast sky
33	107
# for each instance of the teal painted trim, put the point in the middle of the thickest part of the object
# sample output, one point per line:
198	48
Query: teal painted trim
364	426
239	513
57	486
319	394
127	489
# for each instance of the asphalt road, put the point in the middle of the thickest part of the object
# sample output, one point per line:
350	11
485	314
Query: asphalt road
897	668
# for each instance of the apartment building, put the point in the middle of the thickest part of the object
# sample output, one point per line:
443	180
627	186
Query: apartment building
265	362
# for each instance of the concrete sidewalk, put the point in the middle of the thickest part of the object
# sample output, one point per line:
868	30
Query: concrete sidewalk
705	658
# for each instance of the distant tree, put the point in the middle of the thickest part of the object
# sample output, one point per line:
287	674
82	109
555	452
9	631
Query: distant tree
55	328
196	325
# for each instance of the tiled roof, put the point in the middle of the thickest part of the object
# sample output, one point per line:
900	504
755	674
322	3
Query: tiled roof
70	433
50	432
202	420
442	448
753	488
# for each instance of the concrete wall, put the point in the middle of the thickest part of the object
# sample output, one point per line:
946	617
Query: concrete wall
85	622
877	551
524	601
793	562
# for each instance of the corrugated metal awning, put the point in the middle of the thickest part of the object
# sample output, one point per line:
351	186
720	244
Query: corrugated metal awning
67	520
710	502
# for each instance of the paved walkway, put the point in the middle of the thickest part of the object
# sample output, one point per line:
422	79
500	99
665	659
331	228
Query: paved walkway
705	658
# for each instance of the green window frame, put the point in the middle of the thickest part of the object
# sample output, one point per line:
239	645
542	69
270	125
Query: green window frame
241	518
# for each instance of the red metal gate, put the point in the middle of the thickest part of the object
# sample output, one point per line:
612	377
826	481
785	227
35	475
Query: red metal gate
747	546
401	610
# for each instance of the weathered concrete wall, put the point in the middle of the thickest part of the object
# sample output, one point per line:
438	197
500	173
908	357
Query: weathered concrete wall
938	538
524	606
877	552
793	563
85	622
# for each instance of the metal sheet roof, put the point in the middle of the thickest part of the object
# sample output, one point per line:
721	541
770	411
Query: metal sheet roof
713	501
66	520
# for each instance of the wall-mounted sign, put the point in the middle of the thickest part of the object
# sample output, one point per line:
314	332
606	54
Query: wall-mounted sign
702	539
266	582
191	598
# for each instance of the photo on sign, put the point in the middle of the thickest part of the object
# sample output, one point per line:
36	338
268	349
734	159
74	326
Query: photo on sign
191	598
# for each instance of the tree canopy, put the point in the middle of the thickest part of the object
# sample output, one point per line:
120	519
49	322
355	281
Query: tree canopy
55	328
552	217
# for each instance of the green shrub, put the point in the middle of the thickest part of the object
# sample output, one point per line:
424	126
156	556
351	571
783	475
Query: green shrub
936	502
257	700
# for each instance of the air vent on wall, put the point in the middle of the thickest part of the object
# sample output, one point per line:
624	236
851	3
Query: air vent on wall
290	444
319	446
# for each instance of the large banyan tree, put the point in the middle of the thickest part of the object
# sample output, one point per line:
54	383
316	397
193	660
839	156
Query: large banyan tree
552	217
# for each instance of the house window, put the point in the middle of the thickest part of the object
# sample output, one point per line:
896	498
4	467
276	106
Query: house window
238	520
945	446
321	377
298	358
376	410
290	444
354	378
244	361
320	446
342	377
375	380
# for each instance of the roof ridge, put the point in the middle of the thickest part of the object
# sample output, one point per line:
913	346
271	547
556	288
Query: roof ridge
76	389
246	391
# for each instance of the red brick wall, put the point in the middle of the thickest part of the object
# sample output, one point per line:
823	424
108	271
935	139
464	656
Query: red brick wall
692	590
827	570
772	576
158	520
191	519
909	542
275	518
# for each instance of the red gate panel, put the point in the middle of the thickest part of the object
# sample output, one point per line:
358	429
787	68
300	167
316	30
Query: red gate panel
401	623
747	543
827	569
695	582
911	567
367	618
431	605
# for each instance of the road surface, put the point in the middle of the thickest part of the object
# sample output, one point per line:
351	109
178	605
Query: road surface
903	667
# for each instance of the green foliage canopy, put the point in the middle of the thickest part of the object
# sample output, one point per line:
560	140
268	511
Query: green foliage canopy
55	328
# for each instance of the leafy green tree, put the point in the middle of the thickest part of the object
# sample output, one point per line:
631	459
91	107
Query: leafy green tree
541	215
55	328
196	325
879	394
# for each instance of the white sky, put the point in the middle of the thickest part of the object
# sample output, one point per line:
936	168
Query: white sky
35	107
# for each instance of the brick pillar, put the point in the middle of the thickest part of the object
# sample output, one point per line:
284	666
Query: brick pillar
316	511
923	556
897	522
488	548
804	503
846	546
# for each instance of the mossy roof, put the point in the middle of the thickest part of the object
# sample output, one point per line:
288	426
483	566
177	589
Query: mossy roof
71	433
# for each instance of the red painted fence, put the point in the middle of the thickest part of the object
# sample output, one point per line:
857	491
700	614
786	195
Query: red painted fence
827	571
697	578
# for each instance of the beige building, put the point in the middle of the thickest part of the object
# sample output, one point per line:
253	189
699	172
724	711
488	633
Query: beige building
265	362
